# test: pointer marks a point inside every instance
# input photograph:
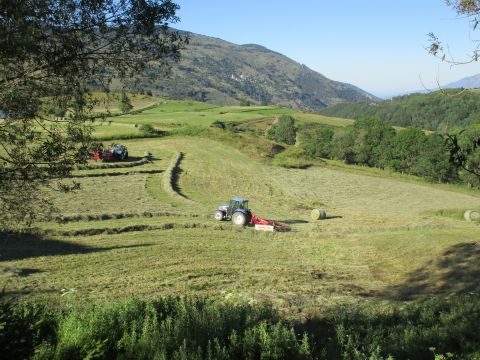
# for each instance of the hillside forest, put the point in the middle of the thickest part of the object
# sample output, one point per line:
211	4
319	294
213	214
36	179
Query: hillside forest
441	110
374	143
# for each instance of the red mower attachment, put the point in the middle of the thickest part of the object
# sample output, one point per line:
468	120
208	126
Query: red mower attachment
97	155
267	225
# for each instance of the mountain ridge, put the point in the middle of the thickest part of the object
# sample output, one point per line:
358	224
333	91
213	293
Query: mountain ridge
469	82
217	71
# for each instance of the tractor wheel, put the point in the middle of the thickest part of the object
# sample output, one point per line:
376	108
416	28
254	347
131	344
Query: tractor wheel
239	219
219	215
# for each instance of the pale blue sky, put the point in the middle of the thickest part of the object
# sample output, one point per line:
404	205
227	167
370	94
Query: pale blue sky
377	45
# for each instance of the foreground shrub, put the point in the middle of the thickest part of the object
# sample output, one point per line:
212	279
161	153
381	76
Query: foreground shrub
178	328
414	332
24	327
172	329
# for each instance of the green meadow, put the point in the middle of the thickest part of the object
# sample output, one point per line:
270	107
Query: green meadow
143	229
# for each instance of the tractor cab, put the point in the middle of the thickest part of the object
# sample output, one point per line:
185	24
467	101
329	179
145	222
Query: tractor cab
236	210
120	152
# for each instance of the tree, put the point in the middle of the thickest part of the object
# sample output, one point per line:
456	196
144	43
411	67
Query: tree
405	149
433	161
286	131
316	140
125	104
283	131
372	137
464	147
51	54
342	145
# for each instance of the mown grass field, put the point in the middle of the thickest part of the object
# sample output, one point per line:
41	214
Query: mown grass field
134	233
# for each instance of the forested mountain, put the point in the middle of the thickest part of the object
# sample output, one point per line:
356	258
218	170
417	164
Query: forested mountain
220	72
433	111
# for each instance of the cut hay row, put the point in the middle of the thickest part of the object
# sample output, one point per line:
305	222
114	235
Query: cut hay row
120	230
143	161
169	178
111	216
151	171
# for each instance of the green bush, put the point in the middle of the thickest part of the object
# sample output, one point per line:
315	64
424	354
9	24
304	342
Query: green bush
24	327
148	129
412	331
229	126
218	124
283	131
165	329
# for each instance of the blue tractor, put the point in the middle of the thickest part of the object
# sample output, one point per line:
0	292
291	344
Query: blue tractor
236	210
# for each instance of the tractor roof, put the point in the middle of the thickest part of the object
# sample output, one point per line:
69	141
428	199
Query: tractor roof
239	199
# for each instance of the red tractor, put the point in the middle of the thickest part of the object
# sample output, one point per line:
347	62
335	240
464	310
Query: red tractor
116	152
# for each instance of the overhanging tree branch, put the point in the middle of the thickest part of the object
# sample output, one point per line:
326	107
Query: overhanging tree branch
49	52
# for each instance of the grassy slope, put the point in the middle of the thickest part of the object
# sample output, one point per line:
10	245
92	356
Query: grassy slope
173	113
375	243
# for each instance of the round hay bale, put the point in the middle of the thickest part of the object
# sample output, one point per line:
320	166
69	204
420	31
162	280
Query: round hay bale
471	215
318	214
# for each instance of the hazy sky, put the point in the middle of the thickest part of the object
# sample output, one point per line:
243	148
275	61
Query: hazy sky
377	45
